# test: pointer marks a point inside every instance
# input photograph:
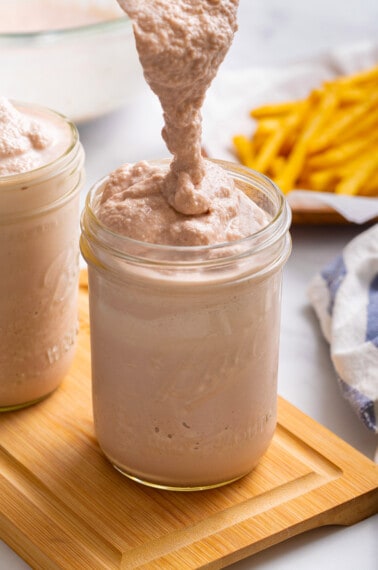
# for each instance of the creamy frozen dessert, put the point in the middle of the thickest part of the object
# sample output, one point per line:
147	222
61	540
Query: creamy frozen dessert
185	347
20	16
180	45
30	139
134	204
41	162
184	275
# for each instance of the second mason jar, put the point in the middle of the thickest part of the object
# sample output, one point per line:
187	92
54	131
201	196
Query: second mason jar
39	260
185	346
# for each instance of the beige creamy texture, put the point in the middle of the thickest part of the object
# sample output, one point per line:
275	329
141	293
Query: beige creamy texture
133	204
39	210
181	45
184	375
29	138
184	359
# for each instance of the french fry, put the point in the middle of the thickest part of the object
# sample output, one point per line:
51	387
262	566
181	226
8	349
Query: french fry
351	185
291	171
326	142
370	188
345	122
350	95
369	75
321	181
302	115
272	144
273	110
276	166
267	126
244	149
341	154
361	128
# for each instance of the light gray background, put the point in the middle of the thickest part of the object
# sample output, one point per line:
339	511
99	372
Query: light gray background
273	32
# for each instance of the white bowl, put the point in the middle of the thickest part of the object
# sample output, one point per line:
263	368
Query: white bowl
82	72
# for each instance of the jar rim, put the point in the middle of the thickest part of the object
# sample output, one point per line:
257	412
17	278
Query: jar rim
254	243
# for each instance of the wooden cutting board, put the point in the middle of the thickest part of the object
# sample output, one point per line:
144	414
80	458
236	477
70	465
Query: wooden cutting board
64	506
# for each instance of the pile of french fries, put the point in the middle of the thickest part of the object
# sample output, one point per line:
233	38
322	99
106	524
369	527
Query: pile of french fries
327	142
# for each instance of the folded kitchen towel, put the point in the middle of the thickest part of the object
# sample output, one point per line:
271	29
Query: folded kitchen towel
345	298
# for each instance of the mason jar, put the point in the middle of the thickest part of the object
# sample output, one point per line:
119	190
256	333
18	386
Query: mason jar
184	344
39	260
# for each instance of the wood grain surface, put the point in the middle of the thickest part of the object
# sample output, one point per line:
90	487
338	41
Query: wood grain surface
64	506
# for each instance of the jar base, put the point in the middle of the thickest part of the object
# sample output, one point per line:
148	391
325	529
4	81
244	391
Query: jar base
185	488
15	407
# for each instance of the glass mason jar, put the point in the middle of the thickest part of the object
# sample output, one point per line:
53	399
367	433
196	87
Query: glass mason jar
39	260
185	346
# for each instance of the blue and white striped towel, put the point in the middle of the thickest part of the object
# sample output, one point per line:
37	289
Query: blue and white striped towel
345	298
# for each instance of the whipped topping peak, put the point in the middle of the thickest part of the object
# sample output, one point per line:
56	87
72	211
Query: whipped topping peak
29	138
20	140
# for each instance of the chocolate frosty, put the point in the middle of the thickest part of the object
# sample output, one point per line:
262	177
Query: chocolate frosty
181	45
41	163
184	339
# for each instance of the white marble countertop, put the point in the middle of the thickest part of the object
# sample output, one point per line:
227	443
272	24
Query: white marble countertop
273	32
